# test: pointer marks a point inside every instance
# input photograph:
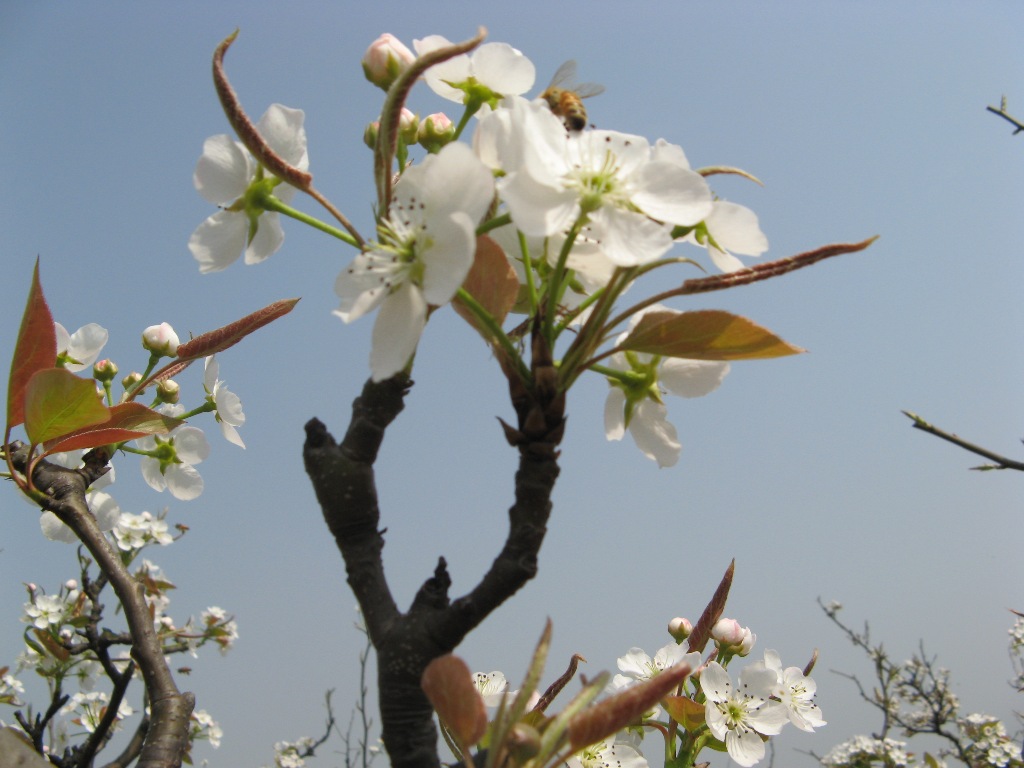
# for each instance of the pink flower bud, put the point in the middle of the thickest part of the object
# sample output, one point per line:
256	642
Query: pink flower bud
435	131
408	123
727	632
160	340
680	628
71	584
385	59
104	370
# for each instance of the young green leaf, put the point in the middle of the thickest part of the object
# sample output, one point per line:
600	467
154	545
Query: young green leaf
706	334
57	403
35	349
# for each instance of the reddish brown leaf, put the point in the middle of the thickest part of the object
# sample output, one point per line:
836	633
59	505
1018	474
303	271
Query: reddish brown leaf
211	342
35	349
707	334
624	708
127	421
449	686
702	629
57	403
492	282
685	711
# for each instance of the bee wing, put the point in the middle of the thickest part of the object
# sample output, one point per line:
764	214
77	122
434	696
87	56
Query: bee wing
564	73
586	90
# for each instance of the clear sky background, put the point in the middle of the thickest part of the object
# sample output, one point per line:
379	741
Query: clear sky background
862	118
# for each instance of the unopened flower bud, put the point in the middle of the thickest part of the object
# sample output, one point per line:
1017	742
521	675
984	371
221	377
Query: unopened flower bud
680	628
131	380
167	391
160	340
370	134
408	124
104	370
523	742
385	59
70	584
435	131
727	632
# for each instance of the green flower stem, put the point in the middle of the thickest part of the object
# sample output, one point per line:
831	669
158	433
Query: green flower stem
492	224
531	286
271	203
498	335
154	358
471	109
556	284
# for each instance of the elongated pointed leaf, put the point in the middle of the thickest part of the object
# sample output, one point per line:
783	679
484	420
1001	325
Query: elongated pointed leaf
127	421
624	708
57	402
712	612
492	282
206	344
706	334
449	686
35	349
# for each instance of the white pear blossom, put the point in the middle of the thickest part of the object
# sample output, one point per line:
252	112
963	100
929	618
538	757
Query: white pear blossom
229	406
730	228
607	754
103	507
628	192
497	67
226	172
739	716
205	727
172	468
135	531
80	349
796	691
636	666
635	402
92	707
492	686
44	611
426	249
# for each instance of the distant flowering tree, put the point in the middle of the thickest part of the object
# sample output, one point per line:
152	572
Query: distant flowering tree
534	230
915	699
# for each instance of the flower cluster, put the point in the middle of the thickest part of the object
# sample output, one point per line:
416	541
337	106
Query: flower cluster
708	707
579	215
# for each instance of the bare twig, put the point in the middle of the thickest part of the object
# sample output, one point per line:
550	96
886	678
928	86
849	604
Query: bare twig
1001	111
1001	462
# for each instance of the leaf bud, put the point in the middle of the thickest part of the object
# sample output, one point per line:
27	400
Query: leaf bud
385	59
160	340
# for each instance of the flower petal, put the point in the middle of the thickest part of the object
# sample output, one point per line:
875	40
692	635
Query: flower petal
224	170
219	241
397	331
692	378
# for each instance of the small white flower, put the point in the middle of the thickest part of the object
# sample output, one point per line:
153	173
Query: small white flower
637	666
80	349
607	754
497	67
44	611
796	691
738	717
730	228
226	172
171	468
634	401
229	406
135	531
427	245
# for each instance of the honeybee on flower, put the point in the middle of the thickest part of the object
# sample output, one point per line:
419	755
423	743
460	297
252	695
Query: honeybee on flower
564	97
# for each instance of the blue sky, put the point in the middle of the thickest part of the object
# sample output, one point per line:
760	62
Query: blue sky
862	118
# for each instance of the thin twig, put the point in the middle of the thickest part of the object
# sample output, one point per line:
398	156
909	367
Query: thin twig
1001	462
